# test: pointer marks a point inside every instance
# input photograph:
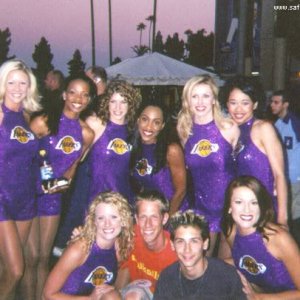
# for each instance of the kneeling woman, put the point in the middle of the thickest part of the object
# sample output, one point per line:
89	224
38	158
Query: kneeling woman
263	252
88	266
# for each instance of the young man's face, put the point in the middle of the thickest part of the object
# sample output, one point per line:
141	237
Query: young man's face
277	105
150	220
189	246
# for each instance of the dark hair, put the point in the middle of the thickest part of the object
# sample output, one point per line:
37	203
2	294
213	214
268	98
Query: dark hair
98	72
152	196
53	112
283	94
60	78
189	218
162	142
263	198
249	86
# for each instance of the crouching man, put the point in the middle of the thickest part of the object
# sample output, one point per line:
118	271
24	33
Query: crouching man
196	276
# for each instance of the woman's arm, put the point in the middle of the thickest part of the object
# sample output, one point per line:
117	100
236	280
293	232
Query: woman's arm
284	248
272	147
96	125
88	137
72	258
175	160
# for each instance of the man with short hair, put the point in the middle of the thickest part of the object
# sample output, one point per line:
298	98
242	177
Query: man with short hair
195	276
288	127
152	248
54	80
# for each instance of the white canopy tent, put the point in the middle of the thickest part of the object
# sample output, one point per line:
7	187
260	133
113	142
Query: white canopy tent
156	69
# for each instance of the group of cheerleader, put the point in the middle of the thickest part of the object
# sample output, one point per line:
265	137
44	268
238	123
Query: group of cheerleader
131	149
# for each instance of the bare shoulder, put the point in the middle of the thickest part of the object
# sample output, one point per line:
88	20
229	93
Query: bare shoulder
87	132
230	131
76	252
262	126
174	149
280	241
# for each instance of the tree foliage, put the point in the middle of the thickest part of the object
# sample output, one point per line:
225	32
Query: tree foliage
42	56
199	48
174	47
140	50
76	65
5	41
140	27
158	45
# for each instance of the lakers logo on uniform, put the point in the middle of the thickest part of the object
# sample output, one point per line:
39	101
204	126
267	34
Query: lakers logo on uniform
204	148
143	168
99	276
21	135
119	146
68	145
249	264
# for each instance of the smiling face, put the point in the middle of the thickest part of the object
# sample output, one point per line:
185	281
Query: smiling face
118	108
240	106
201	103
16	89
244	209
150	123
189	246
77	97
108	224
151	221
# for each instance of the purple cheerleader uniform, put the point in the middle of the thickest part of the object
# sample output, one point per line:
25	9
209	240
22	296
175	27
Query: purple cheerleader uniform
145	179
100	267
63	150
109	162
209	158
252	258
251	161
18	168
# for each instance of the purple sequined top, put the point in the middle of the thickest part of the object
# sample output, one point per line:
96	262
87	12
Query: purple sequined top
109	162
251	161
100	267
146	179
18	169
252	258
62	149
209	158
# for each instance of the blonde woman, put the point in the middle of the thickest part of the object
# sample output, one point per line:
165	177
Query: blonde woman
208	140
88	267
18	147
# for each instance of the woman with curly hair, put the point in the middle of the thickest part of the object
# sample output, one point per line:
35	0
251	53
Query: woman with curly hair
109	156
208	140
89	264
264	252
18	148
156	162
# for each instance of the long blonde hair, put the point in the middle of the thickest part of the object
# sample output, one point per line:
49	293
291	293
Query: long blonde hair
31	102
185	116
125	239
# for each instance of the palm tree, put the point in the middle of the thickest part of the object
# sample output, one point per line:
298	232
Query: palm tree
110	32
150	19
154	23
140	27
93	33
